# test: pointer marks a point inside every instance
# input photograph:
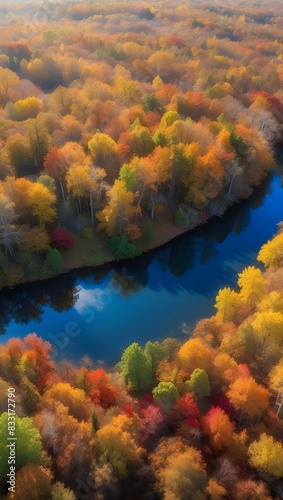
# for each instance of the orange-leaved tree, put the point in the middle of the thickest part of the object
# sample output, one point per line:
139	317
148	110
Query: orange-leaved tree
217	425
248	397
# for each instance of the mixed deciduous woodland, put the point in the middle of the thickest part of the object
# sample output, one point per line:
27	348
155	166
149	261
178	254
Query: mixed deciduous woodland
123	125
199	419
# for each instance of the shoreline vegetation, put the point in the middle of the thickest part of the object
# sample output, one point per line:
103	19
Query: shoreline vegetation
204	416
122	126
116	136
162	236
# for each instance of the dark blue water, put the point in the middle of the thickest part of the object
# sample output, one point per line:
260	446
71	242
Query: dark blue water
101	311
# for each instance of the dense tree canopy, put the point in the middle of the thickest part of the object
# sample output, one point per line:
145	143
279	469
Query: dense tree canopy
203	416
119	120
132	123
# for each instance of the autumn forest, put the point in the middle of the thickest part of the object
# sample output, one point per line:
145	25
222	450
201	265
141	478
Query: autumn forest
117	134
122	126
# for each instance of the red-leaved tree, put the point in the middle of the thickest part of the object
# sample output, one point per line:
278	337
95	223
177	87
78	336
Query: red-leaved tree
61	237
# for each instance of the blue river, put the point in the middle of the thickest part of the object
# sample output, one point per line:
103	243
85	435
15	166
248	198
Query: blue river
98	312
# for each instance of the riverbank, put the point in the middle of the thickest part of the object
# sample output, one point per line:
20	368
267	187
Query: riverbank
95	251
169	287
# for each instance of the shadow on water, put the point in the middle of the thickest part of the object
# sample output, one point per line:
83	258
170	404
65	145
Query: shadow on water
196	263
199	247
28	302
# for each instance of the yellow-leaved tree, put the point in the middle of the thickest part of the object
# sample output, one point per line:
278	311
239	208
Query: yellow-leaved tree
102	147
184	476
228	302
272	301
195	354
118	211
117	444
271	254
127	90
78	182
252	285
28	108
268	326
41	202
266	455
276	376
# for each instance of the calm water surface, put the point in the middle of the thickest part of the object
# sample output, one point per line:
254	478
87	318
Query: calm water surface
103	310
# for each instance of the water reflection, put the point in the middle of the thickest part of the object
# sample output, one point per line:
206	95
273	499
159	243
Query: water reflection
20	305
90	299
178	257
28	302
198	263
63	294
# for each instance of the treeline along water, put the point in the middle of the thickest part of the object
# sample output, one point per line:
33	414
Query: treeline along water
100	311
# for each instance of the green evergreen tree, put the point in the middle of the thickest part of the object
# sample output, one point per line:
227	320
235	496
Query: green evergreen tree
28	444
154	353
151	103
122	248
135	367
165	394
127	175
54	260
198	383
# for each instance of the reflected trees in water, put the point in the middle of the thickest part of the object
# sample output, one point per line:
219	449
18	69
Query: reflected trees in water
26	303
155	269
